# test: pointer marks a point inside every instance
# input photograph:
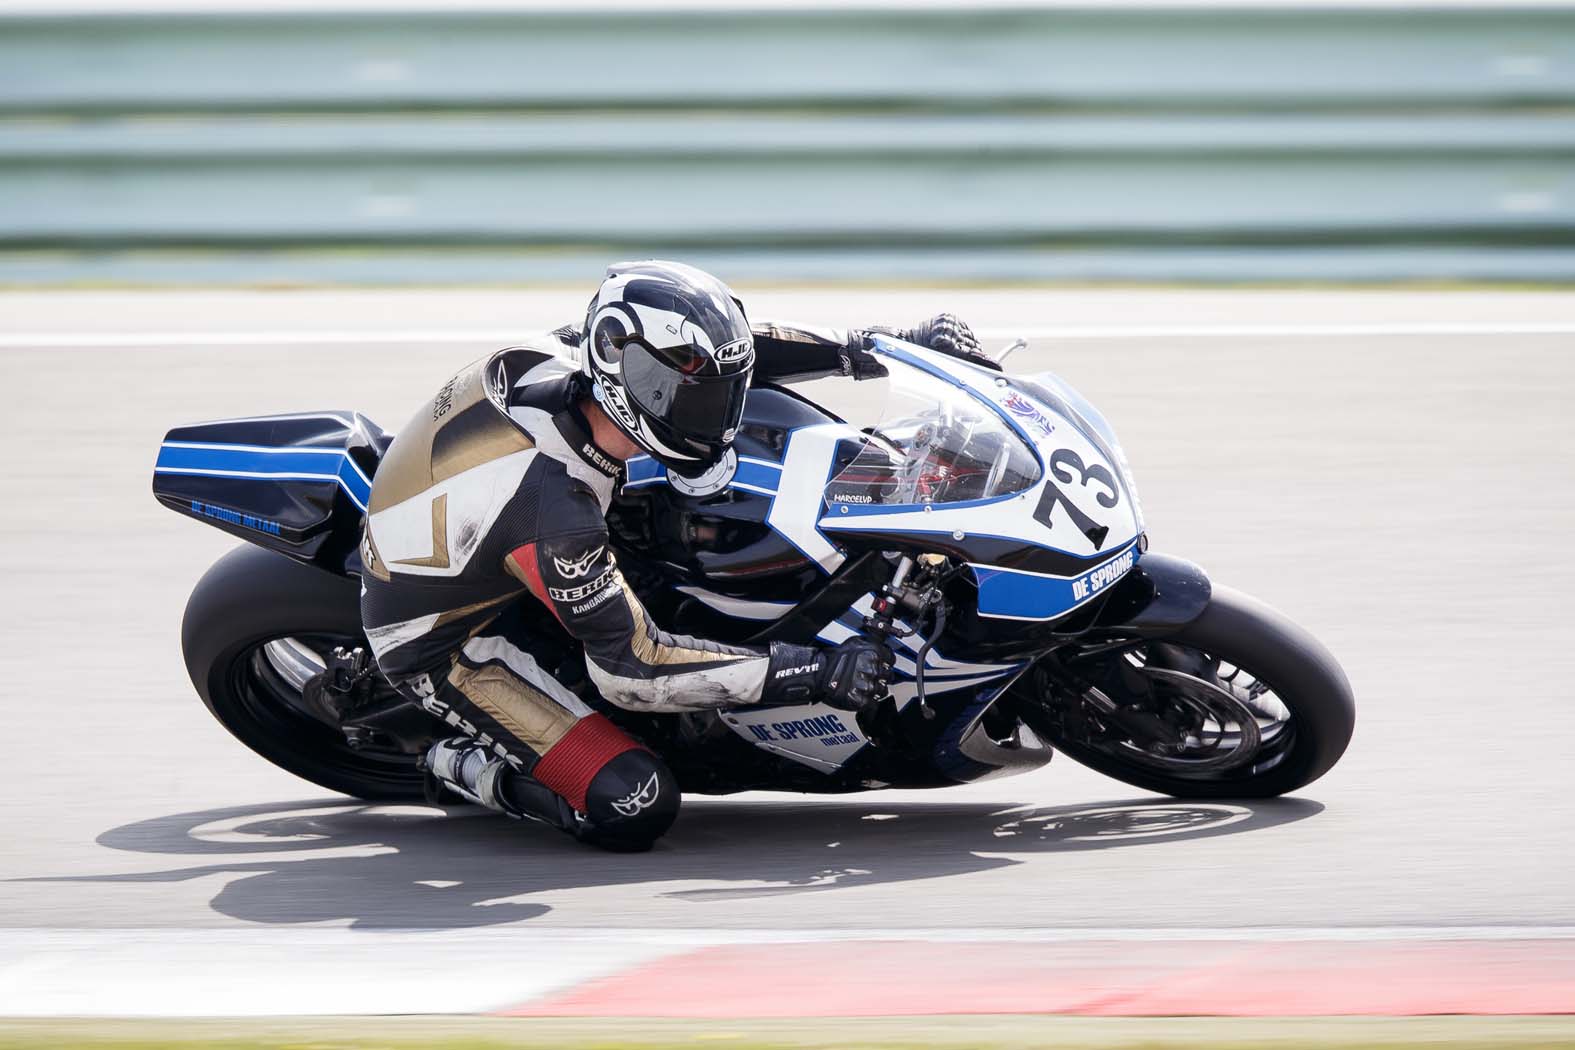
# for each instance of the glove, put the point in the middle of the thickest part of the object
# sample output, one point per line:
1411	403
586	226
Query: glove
855	674
857	361
948	334
849	677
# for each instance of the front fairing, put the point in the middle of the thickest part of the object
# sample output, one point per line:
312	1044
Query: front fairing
1019	478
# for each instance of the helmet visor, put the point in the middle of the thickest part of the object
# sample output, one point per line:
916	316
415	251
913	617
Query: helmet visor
695	413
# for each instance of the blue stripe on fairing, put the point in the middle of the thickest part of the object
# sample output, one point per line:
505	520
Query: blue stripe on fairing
752	475
865	510
1028	596
258	463
643	468
757	474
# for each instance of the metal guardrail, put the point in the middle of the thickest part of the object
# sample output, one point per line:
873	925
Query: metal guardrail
972	55
816	135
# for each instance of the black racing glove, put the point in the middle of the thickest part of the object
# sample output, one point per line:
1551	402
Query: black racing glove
857	360
850	676
855	674
949	334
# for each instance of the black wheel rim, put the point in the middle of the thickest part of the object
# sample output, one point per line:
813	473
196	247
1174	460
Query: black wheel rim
266	680
1174	710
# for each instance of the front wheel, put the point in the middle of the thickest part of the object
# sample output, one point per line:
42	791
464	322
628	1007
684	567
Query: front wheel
1239	703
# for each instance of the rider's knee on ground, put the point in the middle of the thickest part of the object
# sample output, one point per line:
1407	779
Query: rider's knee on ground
631	802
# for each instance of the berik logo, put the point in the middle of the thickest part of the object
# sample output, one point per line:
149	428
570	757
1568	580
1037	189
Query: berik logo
640	798
605	465
737	350
575	568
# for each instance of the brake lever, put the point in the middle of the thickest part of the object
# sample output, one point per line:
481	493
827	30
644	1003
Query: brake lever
1011	348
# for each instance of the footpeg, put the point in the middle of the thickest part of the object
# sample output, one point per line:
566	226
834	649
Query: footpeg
344	685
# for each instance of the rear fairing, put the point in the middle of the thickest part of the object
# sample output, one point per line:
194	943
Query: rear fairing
297	484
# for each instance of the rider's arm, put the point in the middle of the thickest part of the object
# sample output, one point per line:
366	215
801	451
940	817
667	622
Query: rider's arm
634	663
787	353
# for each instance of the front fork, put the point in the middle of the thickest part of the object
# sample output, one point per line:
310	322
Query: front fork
1161	595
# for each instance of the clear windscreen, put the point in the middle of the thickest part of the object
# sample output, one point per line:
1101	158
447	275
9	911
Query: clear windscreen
933	443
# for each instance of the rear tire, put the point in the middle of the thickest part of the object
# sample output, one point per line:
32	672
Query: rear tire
251	597
1304	677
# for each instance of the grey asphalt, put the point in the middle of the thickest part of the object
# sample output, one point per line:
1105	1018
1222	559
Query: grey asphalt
1408	499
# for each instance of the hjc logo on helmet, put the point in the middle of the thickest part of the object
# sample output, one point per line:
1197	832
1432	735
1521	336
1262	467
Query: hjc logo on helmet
734	351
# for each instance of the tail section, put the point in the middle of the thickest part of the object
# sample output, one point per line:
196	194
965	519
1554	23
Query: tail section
297	484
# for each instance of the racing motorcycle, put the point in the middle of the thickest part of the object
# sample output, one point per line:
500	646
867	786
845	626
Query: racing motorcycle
986	528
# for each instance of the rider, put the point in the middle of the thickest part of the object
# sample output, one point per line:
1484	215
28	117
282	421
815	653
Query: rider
501	485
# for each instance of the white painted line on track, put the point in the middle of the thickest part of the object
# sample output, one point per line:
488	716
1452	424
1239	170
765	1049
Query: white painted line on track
257	971
501	337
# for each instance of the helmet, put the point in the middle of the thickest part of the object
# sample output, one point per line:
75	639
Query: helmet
668	352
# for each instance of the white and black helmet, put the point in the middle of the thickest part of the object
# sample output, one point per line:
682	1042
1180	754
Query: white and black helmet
668	352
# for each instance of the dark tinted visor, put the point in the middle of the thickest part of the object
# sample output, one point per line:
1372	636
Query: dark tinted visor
692	407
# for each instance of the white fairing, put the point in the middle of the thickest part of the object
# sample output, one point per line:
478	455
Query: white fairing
823	737
960	451
814	735
1039	480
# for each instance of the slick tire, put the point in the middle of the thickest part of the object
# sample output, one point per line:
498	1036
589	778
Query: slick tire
253	596
1303	674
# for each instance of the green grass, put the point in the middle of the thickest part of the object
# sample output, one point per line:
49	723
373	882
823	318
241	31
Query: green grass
929	1033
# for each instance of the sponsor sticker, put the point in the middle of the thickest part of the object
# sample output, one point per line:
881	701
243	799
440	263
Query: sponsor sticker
1091	583
235	517
1028	412
827	730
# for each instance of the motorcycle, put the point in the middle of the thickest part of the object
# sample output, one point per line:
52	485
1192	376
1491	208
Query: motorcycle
986	527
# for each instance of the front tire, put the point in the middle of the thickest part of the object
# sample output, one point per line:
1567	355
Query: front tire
253	618
1173	682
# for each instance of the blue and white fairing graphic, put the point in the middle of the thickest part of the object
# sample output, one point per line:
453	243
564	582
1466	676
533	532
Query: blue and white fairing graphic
824	738
1022	477
1019	475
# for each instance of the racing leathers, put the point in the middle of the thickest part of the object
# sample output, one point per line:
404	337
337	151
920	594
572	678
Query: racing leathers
495	493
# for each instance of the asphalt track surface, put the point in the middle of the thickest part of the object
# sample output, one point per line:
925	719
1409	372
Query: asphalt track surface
1409	498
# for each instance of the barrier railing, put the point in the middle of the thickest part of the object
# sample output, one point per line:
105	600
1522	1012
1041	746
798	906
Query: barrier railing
806	135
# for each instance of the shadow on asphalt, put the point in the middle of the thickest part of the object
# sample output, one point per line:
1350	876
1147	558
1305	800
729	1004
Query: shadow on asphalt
419	867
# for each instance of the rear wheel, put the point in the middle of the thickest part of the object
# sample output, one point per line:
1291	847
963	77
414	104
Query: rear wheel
257	627
1240	703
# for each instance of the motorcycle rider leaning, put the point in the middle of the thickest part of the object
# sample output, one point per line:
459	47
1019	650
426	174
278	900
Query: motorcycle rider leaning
500	486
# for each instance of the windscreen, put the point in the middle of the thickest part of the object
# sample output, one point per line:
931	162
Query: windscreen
933	444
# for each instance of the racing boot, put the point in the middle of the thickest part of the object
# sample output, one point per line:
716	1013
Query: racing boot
465	768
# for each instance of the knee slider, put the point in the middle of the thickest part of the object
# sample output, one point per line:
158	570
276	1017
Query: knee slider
631	802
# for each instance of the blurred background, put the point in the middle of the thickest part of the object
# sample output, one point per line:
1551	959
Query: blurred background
394	142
